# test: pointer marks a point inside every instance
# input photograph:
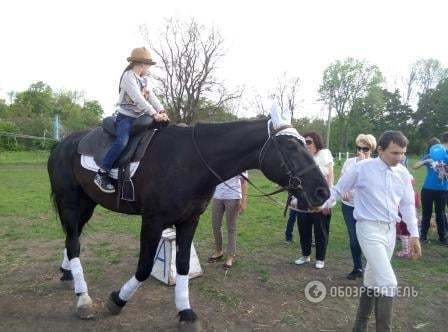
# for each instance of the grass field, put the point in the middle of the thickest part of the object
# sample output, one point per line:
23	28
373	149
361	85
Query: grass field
264	290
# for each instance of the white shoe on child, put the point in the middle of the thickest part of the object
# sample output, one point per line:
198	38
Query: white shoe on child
320	264
302	260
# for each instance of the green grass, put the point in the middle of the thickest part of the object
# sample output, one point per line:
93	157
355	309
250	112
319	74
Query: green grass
23	157
26	214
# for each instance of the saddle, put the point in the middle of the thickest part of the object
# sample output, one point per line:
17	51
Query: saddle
98	141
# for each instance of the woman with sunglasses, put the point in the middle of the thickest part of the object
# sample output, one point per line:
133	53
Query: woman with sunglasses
365	145
321	222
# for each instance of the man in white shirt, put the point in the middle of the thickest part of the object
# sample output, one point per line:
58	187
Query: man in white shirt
383	188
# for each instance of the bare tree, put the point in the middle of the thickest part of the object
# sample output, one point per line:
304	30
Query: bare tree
424	74
410	83
189	55
259	105
286	92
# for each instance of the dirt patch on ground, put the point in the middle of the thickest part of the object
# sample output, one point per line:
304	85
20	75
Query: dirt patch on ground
263	292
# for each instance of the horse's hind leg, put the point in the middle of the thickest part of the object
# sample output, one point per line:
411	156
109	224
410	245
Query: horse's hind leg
70	214
87	206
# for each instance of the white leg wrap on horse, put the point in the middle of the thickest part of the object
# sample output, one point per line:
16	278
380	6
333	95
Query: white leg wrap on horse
129	289
65	262
181	293
78	276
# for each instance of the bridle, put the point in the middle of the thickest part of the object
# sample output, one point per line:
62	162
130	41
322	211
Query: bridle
294	175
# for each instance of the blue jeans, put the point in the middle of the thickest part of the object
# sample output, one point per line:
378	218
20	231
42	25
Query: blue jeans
123	126
350	222
290	225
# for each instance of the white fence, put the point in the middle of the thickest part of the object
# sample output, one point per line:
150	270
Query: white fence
345	155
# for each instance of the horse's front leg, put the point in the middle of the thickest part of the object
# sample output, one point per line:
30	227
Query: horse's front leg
184	237
150	234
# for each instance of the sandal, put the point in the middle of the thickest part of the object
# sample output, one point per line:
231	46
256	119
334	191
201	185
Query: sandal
228	266
212	259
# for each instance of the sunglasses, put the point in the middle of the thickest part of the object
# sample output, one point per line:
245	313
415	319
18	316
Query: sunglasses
309	142
363	148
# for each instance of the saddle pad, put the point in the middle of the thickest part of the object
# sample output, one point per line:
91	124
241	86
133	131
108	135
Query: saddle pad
97	143
89	163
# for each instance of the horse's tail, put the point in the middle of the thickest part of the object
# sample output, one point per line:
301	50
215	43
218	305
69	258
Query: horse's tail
51	167
57	208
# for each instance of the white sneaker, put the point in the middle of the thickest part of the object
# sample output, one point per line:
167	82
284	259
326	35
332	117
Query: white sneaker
320	264
302	260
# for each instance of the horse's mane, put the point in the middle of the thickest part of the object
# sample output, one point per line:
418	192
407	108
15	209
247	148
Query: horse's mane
207	128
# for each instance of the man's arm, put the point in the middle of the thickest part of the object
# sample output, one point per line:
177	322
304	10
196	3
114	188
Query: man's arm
407	208
346	183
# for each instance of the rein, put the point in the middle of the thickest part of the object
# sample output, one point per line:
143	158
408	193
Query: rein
294	181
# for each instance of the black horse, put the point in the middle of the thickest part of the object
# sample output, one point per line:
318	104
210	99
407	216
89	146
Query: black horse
174	184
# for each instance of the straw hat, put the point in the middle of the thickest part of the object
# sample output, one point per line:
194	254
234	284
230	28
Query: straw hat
141	55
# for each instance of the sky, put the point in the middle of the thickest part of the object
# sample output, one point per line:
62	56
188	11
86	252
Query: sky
83	45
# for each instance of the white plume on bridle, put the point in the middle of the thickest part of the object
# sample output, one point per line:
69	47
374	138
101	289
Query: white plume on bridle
279	120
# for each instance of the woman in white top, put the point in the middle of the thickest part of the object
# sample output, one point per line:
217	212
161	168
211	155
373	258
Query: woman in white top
365	145
319	221
230	197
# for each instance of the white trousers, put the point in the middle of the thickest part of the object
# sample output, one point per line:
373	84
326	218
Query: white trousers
377	242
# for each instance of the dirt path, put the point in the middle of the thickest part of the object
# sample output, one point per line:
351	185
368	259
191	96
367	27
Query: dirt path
262	294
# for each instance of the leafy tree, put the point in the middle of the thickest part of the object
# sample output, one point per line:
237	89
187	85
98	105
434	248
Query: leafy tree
33	111
37	100
94	108
431	116
304	125
345	82
3	107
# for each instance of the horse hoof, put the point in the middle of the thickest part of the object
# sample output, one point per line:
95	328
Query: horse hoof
114	304
188	321
84	307
190	326
85	312
66	275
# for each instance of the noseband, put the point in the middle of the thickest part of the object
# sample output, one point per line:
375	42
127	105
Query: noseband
294	175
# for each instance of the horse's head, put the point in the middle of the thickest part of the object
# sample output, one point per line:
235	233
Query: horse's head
285	160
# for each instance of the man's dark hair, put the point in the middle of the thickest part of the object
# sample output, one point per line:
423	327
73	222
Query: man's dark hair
392	136
445	137
317	139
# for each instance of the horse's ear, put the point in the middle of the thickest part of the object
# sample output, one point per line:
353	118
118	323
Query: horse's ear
275	115
278	120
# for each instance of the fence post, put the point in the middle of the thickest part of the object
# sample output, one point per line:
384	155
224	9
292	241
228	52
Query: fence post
56	127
